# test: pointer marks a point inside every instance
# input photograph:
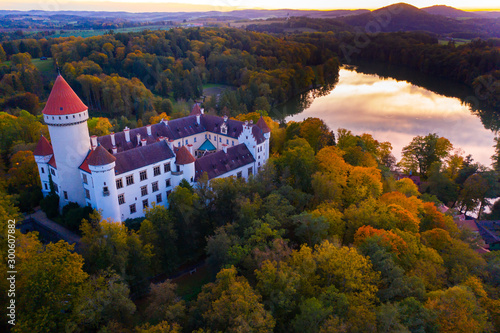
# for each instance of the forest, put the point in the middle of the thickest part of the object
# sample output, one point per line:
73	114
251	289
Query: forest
323	239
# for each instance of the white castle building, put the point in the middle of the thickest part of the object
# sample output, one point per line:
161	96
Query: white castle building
122	173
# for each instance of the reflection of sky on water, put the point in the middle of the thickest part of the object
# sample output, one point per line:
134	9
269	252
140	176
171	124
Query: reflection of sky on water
396	111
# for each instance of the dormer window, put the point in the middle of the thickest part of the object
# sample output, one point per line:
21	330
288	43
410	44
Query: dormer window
223	129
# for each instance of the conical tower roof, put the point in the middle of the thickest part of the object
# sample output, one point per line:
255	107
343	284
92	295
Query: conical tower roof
43	147
263	126
183	156
100	156
63	100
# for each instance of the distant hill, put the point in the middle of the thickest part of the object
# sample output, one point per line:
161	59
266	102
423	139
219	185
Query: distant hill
404	17
449	12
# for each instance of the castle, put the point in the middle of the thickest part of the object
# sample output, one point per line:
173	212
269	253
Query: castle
123	173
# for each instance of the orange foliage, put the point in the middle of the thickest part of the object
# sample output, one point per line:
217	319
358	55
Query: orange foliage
412	204
405	219
388	238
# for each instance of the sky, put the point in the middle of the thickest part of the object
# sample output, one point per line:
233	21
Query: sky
225	5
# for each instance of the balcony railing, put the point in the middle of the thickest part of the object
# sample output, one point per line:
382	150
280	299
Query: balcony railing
177	173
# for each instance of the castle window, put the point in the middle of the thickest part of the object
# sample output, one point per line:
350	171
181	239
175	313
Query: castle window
105	191
144	190
143	175
220	139
56	188
227	141
52	172
121	199
145	203
205	136
233	143
119	183
130	180
210	137
238	175
43	171
87	194
250	171
84	176
132	209
168	183
158	198
168	193
46	187
166	167
156	171
65	195
178	144
154	186
187	141
194	139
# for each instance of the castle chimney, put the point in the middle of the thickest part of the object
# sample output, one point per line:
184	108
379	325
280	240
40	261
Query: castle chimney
202	111
251	122
126	130
164	121
198	119
171	144
190	148
93	140
138	139
224	148
148	127
225	118
112	136
115	150
143	142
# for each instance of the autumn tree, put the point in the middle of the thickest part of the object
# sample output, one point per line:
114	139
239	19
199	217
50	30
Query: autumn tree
230	304
51	280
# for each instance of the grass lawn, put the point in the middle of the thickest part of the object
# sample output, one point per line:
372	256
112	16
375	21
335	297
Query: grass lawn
458	41
189	286
44	66
211	89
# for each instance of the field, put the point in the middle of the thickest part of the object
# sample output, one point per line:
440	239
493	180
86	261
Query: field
90	33
211	89
458	41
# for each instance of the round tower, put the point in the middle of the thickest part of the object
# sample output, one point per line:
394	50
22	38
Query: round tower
102	166
184	163
66	116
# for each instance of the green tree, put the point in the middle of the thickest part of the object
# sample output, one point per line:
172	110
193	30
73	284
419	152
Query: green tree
422	152
231	305
51	280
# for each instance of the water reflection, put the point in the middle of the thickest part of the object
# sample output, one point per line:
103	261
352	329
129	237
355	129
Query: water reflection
396	111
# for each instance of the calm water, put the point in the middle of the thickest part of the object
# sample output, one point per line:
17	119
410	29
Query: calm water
396	111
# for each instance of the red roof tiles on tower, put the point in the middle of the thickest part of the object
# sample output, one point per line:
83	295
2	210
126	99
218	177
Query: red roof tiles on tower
100	156
196	110
183	156
43	147
263	126
63	100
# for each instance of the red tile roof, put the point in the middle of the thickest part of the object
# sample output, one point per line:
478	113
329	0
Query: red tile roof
183	156
263	126
85	165
63	100
196	110
43	147
100	156
52	162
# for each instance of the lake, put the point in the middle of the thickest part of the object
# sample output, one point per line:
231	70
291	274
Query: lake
395	110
